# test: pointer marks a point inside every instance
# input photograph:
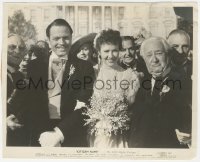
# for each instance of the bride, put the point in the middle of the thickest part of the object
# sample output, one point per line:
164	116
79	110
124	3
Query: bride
114	89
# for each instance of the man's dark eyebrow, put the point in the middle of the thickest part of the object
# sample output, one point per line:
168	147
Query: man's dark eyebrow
106	50
56	37
159	51
67	36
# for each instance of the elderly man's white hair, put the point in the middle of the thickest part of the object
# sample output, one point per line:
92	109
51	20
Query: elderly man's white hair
152	39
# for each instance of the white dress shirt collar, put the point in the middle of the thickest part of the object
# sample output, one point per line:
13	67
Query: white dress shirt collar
54	56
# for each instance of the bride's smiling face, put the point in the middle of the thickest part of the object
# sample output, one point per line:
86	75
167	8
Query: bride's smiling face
109	54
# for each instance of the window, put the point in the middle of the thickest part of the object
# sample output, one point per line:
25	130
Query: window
83	20
96	19
153	12
59	8
136	27
137	12
108	17
121	13
70	15
168	13
97	12
33	15
59	12
153	27
108	12
169	26
46	14
123	27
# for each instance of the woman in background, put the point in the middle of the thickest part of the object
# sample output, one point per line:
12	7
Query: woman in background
83	49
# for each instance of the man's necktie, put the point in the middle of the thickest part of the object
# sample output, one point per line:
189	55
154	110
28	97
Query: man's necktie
157	89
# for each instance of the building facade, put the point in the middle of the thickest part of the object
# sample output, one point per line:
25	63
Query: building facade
84	19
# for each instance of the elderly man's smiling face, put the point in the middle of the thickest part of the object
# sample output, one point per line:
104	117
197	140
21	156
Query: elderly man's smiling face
155	57
16	50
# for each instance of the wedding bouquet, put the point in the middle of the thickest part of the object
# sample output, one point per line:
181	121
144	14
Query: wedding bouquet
108	113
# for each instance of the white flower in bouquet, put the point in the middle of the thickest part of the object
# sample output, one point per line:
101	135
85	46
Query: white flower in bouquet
107	114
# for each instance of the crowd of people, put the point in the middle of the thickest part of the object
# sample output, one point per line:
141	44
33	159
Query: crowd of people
103	90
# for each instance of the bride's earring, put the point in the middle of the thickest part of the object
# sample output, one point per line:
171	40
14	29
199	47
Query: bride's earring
99	59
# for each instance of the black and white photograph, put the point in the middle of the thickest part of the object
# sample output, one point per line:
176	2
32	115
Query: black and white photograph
100	80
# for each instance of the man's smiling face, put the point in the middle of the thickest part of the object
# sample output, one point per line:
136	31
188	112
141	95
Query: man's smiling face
60	40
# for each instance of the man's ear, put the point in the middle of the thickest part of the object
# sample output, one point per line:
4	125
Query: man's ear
48	41
99	55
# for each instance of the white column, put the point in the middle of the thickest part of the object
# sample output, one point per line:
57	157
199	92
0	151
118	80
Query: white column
90	19
146	18
76	21
114	18
102	18
63	12
56	12
42	36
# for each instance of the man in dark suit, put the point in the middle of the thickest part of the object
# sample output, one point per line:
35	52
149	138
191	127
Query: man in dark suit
26	110
16	52
69	82
179	40
181	54
162	113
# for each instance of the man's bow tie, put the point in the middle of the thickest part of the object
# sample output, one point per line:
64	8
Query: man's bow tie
158	78
59	62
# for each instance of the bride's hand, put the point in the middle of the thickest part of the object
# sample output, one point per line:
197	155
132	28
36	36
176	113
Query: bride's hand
135	85
140	75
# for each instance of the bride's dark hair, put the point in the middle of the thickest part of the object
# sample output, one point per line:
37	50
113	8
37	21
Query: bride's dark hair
108	36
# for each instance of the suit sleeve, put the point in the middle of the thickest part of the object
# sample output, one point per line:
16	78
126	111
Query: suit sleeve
15	96
186	106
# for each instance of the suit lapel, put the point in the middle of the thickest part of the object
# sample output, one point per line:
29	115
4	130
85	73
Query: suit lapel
66	71
144	101
66	77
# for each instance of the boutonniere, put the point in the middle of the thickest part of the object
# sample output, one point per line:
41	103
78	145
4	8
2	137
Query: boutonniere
79	105
71	71
164	90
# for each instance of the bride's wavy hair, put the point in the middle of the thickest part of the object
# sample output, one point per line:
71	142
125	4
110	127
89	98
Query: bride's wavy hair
107	36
